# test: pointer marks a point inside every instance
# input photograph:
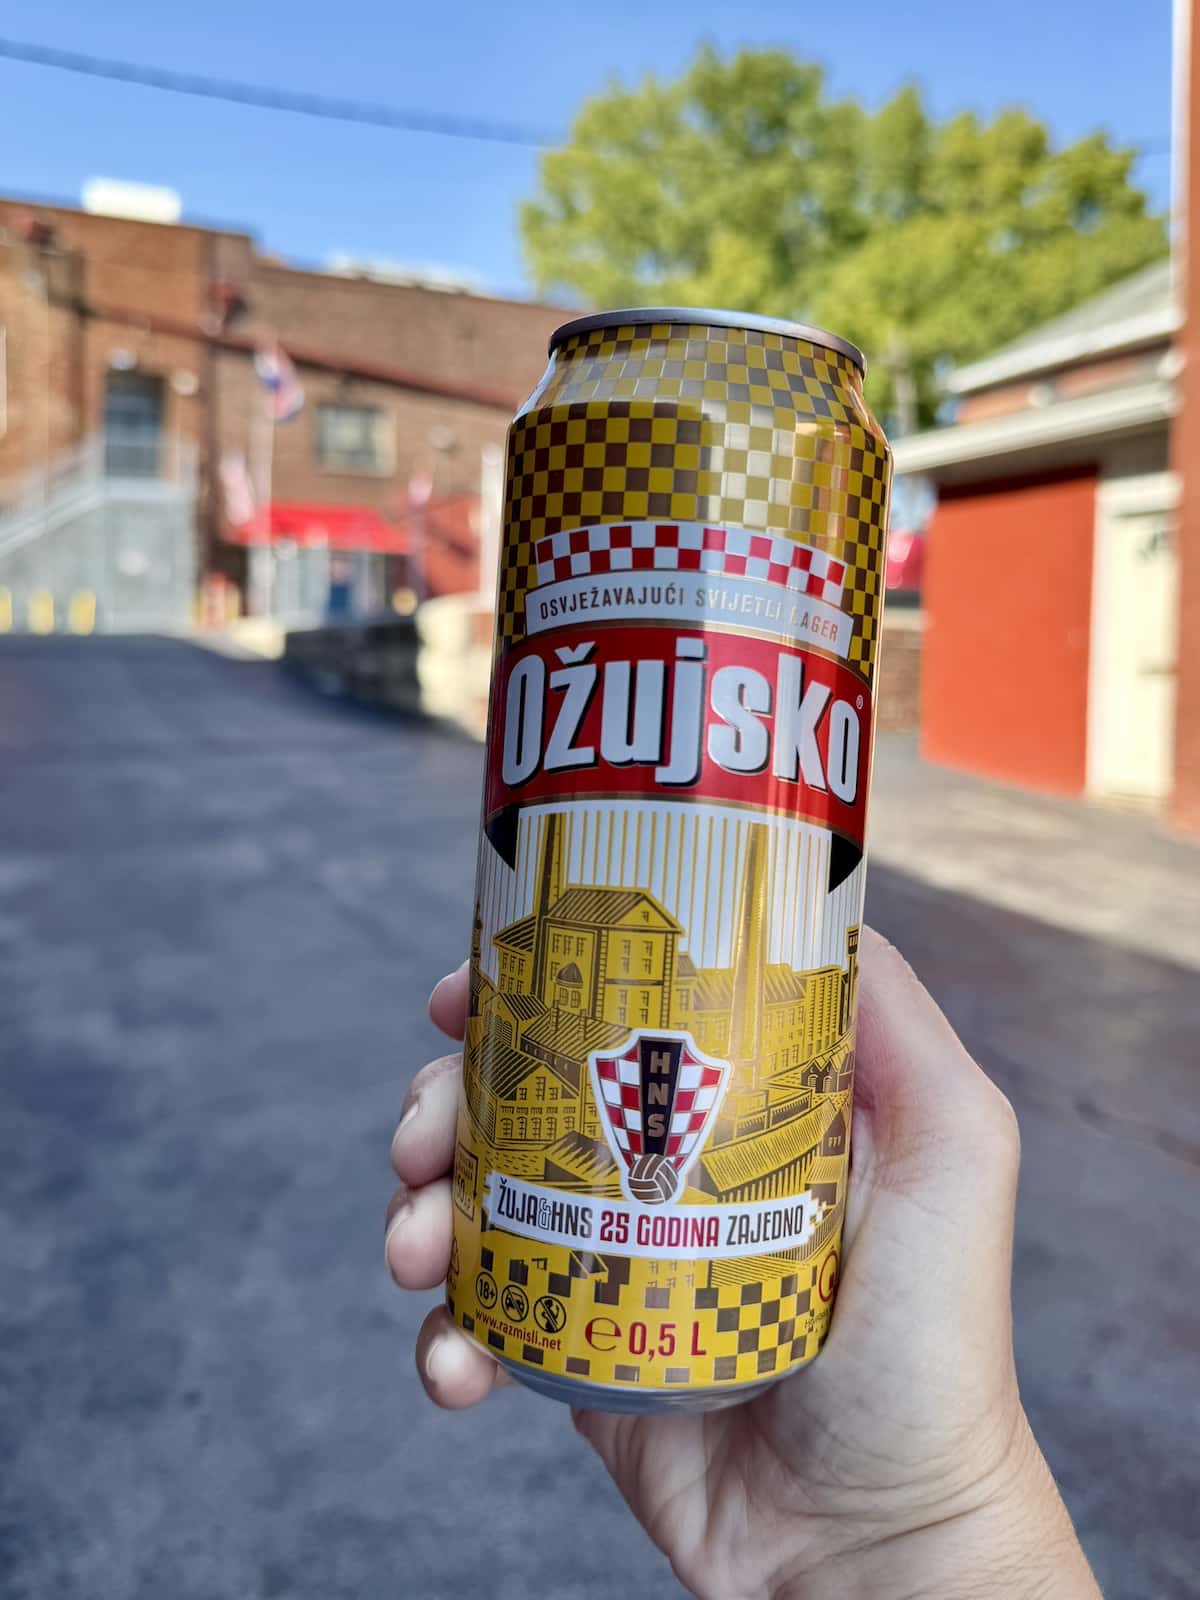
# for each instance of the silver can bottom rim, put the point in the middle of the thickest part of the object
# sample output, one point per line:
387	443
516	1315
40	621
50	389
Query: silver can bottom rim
607	1397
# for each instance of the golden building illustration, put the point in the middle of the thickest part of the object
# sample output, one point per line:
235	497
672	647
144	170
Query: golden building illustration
589	965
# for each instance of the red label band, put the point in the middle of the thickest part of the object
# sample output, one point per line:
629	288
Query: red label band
656	712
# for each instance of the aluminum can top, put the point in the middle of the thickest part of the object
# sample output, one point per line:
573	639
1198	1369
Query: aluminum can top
639	316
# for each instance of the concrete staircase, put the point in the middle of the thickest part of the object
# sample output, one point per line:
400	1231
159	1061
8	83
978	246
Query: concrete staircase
94	544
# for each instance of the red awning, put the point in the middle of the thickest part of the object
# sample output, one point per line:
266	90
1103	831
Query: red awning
320	526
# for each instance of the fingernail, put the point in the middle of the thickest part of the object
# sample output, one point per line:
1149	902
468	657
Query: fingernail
398	1221
401	1125
434	991
441	1360
446	979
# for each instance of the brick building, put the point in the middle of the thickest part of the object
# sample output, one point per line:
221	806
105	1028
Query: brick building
146	332
1050	586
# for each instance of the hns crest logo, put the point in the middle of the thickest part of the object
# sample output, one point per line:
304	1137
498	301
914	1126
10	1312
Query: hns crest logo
658	1096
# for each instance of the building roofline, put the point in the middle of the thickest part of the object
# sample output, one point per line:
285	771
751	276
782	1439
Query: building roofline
307	356
269	263
266	261
1114	411
186	224
1043	355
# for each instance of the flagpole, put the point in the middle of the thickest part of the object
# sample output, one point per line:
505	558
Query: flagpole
269	473
284	400
262	456
420	491
269	465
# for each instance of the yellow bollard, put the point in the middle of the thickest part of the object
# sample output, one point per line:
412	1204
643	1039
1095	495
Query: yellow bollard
6	611
81	615
41	611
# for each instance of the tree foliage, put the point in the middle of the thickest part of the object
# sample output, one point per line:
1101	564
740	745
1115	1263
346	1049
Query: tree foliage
743	184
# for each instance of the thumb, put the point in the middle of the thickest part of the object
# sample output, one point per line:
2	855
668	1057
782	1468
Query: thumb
935	1156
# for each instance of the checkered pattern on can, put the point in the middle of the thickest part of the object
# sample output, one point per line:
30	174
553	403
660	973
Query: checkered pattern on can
698	362
752	1328
686	424
620	1082
671	547
771	1320
758	1316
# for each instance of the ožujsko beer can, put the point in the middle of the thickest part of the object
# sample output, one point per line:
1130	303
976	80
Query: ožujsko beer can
652	1148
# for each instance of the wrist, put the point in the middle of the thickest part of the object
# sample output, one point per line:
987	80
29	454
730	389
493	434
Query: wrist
1014	1538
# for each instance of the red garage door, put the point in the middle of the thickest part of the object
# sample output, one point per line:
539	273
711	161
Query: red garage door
1008	584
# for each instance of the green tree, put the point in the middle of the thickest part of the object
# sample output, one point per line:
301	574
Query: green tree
744	184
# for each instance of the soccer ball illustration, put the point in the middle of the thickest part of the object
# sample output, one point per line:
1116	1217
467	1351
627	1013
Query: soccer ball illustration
652	1179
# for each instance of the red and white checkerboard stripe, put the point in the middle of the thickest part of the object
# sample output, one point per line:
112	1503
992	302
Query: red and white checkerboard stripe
689	547
695	1095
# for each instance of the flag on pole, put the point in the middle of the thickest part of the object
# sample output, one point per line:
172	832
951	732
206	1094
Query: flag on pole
237	488
420	489
285	396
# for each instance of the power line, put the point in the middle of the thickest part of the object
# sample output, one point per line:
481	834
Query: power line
324	107
363	112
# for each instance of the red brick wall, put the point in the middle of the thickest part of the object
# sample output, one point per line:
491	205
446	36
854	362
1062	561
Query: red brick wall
1185	452
417	423
1008	582
146	266
498	345
58	357
44	363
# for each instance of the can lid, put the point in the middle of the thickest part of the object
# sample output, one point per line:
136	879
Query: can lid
709	318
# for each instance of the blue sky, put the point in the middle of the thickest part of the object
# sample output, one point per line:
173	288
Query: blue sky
309	189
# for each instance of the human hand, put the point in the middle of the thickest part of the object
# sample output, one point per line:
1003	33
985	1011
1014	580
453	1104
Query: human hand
900	1462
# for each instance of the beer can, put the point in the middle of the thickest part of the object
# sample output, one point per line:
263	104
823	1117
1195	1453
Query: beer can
652	1148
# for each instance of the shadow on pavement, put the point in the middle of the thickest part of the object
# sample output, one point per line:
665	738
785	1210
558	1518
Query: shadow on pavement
222	904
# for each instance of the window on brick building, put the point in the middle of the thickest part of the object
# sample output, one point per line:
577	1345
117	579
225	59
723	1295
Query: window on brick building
354	439
133	423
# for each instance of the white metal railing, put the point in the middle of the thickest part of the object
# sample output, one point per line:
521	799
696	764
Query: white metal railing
34	487
115	454
107	464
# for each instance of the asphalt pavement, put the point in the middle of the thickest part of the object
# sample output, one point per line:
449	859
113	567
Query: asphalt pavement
222	903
